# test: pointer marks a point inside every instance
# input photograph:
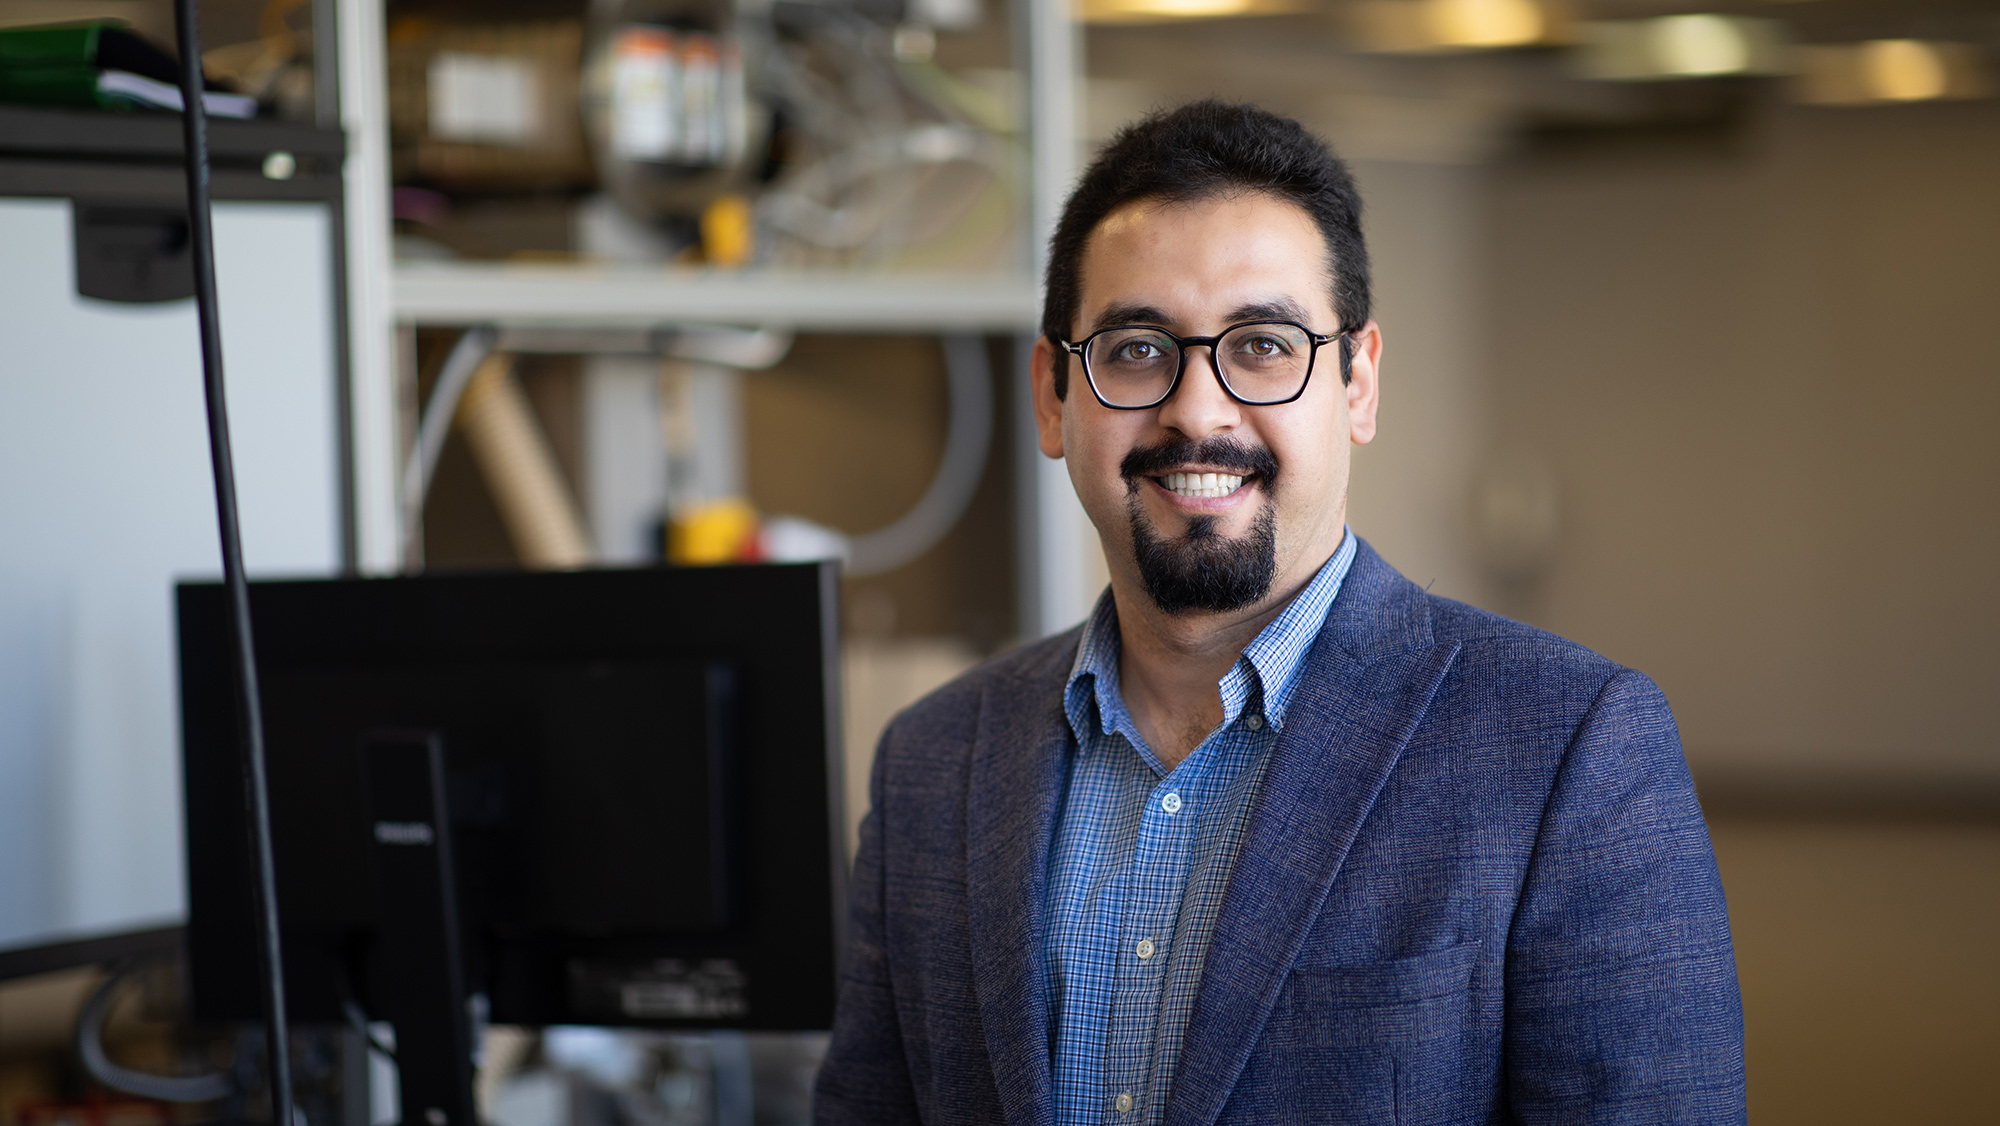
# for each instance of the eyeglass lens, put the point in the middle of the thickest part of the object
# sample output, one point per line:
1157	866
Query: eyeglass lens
1261	363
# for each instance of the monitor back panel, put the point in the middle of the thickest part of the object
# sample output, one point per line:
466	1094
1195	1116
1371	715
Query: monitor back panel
641	777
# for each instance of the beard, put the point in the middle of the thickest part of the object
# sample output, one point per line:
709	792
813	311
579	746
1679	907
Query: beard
1201	570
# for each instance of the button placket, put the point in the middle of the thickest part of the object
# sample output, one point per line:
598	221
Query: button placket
1131	954
1152	901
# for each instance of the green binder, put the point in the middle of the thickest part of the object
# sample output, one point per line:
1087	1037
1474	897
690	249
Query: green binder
97	63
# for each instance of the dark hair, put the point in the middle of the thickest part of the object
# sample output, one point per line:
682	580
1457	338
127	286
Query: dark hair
1196	152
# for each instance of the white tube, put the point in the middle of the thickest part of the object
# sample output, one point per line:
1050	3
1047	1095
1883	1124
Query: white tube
964	463
458	369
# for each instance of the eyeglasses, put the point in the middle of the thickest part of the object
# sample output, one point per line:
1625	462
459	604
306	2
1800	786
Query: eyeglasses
1259	363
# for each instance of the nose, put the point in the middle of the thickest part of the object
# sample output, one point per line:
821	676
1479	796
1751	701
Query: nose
1200	407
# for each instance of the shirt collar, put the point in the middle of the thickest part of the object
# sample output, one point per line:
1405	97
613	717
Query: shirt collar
1275	656
1092	697
1269	666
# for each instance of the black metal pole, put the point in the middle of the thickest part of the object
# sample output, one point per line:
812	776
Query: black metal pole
201	237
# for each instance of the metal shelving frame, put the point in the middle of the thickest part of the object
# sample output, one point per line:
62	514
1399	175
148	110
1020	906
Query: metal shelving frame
585	297
385	295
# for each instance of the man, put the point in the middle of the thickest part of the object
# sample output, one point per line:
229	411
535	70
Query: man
1275	836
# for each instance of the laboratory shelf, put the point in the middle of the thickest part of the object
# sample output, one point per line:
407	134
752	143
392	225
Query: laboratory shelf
584	297
151	135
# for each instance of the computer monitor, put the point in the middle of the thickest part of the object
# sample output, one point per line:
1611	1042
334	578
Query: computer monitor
638	772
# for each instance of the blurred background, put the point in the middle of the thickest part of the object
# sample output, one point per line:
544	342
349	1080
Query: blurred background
1687	310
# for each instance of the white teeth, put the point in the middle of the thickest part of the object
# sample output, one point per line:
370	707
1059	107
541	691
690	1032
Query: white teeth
1203	484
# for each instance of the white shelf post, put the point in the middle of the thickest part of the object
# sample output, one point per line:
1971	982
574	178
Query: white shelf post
1060	561
364	114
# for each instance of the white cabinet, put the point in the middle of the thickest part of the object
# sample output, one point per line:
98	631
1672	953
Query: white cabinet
106	500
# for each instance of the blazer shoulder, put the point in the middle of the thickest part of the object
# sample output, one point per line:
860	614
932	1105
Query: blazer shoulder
1379	612
1553	709
1485	636
951	711
1548	679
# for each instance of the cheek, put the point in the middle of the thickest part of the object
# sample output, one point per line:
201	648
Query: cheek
1313	474
1093	452
1080	442
1102	438
1319	442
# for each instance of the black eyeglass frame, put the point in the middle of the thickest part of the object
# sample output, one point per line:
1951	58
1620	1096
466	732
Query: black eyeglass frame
1081	350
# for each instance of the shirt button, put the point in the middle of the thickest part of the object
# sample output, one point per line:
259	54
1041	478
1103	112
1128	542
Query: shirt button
1123	1102
1171	803
1255	721
1145	949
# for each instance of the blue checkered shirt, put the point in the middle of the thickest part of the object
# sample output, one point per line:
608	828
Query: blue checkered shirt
1142	856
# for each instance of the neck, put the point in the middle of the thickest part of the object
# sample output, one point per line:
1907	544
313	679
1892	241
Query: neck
1170	665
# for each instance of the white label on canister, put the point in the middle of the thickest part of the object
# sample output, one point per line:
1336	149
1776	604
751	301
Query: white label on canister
645	96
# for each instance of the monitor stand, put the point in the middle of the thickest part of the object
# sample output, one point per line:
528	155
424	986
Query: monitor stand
420	957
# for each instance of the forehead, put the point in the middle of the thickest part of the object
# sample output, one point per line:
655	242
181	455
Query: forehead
1196	262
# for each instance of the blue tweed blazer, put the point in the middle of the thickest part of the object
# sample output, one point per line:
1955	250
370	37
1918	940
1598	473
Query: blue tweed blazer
1475	888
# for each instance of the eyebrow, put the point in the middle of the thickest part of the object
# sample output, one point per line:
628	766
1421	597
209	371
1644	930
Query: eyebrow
1130	315
1277	309
1274	309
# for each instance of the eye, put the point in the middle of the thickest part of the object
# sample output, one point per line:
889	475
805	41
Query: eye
1139	350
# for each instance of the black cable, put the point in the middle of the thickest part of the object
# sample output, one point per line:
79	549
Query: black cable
194	132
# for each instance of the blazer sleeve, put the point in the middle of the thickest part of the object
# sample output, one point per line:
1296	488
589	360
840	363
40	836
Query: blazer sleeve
865	1078
1622	1002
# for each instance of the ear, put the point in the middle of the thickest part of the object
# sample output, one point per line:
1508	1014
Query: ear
1364	384
1048	408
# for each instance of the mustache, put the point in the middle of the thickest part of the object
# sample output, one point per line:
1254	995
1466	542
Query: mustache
1222	452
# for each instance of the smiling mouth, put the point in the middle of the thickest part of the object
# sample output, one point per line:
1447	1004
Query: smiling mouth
1214	469
1201	485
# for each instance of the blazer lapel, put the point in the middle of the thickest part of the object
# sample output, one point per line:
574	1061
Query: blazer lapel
1011	802
1368	681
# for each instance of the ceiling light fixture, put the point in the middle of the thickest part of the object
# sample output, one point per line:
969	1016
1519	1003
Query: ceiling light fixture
1167	11
1891	70
1434	26
1483	23
1699	46
1674	47
1904	70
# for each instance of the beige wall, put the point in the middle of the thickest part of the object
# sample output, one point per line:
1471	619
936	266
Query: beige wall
1760	368
1765	373
1408	498
1865	950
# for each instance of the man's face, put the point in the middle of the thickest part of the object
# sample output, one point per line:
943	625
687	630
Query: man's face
1276	507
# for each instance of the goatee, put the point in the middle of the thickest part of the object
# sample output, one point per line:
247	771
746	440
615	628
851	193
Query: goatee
1201	570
